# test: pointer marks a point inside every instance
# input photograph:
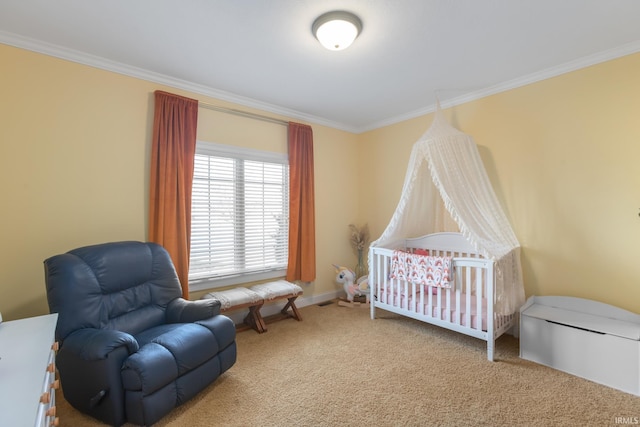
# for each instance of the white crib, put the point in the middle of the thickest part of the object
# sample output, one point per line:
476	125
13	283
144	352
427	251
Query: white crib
466	307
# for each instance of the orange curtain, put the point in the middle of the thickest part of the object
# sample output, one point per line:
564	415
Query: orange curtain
302	237
172	157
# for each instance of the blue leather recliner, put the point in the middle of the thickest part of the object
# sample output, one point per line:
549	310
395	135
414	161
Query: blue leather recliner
131	348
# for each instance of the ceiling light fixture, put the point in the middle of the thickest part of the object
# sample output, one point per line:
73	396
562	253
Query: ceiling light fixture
336	30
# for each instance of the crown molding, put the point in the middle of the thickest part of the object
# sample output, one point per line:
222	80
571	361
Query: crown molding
140	73
567	67
143	74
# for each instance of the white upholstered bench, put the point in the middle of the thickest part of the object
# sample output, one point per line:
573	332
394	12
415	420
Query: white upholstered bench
237	298
253	298
280	289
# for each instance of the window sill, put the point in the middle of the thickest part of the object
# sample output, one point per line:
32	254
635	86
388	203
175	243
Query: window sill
206	284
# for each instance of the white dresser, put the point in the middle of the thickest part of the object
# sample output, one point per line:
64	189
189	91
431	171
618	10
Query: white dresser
27	372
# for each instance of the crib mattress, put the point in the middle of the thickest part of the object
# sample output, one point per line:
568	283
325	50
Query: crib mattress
440	311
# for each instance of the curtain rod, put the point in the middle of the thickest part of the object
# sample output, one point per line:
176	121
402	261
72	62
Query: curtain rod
242	113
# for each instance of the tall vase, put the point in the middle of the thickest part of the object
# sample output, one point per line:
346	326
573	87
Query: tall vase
361	269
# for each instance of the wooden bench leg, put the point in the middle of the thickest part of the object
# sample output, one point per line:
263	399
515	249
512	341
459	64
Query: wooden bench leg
260	319
291	304
255	320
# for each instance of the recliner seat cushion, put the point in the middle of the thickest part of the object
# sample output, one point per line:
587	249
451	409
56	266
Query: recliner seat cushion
149	369
173	350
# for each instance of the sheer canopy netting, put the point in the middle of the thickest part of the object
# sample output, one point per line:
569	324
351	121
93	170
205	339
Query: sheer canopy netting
446	188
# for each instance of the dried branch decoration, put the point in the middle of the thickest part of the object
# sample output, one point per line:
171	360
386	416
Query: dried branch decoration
359	237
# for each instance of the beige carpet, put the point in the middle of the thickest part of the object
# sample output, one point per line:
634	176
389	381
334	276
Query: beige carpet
339	368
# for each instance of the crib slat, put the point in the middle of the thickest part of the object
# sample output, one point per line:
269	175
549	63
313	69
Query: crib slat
469	295
413	297
448	304
479	296
458	290
384	277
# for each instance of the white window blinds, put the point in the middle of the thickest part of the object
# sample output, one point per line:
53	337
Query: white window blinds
239	215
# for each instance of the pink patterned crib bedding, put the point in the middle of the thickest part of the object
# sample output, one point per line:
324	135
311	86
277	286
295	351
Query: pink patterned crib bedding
422	269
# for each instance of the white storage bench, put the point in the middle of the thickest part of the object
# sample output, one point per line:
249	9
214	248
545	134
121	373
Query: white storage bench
589	339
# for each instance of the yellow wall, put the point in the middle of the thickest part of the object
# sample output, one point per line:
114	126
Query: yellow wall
74	166
563	156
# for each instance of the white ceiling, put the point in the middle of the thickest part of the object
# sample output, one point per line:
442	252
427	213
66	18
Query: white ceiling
262	54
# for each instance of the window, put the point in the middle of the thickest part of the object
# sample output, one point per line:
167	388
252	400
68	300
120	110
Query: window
239	216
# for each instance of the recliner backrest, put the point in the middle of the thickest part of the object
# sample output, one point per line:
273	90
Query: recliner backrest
124	286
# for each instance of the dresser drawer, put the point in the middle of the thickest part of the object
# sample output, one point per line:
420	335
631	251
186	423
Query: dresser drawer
47	407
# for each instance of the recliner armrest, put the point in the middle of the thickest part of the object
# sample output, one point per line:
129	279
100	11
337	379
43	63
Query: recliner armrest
181	310
96	344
